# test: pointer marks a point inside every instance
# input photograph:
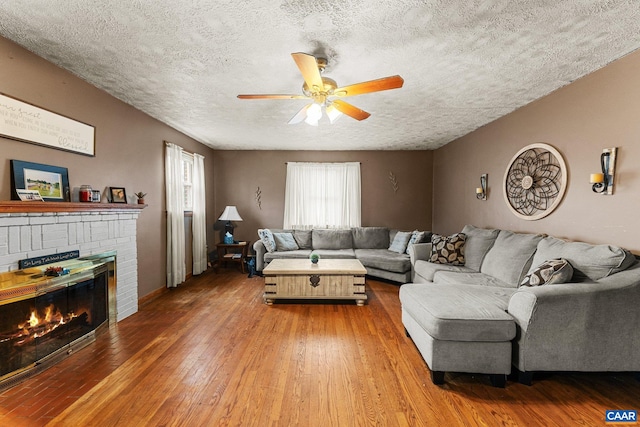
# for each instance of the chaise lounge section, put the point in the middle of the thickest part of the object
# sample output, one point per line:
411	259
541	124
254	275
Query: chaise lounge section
512	304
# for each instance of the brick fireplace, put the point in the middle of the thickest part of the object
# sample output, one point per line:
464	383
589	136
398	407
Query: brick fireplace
32	229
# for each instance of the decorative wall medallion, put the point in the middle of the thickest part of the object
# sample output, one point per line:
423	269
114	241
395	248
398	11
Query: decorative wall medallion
535	181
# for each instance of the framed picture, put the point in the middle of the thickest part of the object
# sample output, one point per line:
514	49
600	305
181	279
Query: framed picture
118	195
51	182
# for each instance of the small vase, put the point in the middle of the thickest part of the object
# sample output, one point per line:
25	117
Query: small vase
314	259
141	201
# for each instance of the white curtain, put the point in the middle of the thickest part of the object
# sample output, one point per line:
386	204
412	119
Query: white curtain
199	225
176	269
322	195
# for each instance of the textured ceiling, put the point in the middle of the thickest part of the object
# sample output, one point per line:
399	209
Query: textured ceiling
464	62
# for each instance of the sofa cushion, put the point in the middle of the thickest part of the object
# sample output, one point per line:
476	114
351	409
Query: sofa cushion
384	259
553	271
479	241
301	253
400	241
464	278
418	237
588	261
427	270
510	257
335	253
370	237
267	239
460	313
285	242
447	249
303	238
331	238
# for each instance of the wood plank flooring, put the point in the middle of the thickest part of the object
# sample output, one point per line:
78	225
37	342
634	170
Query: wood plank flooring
210	353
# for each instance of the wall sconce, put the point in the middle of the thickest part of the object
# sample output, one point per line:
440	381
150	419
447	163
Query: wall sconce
481	192
603	182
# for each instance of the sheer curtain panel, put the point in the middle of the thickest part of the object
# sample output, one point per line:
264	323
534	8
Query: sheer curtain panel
176	269
322	195
199	225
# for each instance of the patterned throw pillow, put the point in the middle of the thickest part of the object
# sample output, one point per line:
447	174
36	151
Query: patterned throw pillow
267	238
448	249
400	242
557	270
416	237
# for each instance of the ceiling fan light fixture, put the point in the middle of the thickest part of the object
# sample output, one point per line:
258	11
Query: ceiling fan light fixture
314	113
333	113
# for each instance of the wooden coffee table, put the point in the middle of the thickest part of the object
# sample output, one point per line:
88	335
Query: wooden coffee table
328	279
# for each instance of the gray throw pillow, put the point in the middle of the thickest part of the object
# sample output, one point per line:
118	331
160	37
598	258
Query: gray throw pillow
285	242
303	238
448	249
400	242
267	239
549	272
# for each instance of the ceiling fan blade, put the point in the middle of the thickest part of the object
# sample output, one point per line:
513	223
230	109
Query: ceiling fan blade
350	110
300	115
272	96
385	83
308	66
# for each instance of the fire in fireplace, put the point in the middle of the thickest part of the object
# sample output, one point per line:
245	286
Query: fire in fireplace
46	317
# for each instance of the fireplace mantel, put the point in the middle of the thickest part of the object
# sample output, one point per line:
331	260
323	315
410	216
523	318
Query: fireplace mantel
17	206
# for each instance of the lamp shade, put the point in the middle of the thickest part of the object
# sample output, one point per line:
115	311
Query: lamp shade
230	214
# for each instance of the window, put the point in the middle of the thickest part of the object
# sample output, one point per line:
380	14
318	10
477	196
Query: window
322	195
187	180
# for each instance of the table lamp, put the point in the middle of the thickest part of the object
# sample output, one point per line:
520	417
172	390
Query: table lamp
230	214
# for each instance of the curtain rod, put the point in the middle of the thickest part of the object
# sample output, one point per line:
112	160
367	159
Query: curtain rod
166	144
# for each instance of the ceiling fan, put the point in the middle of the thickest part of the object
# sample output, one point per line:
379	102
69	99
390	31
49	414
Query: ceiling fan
325	92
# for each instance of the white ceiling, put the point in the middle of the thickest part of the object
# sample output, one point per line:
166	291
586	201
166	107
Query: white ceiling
464	62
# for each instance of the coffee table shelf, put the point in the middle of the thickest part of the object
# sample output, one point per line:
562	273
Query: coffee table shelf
330	279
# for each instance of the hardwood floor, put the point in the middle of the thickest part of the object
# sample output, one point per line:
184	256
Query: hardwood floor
211	353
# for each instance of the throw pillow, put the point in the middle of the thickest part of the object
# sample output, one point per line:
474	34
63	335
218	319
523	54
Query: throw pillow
557	270
267	239
416	237
285	242
400	242
448	249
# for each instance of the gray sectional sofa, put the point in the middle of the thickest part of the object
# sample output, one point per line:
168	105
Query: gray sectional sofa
478	318
370	245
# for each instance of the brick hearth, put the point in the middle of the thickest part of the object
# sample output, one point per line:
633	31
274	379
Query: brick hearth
33	234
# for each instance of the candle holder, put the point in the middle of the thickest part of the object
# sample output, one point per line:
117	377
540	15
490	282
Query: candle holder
481	192
602	183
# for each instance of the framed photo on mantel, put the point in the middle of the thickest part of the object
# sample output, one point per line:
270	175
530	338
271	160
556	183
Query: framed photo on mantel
51	182
27	123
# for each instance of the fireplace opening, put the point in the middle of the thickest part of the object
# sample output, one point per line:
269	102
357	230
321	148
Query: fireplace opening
46	318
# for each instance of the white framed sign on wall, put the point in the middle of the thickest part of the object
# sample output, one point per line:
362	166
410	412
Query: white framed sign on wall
25	122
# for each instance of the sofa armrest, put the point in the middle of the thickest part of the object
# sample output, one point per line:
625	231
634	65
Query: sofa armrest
419	251
590	326
260	250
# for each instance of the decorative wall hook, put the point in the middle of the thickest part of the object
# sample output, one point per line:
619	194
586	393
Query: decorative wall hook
603	182
394	181
481	192
259	198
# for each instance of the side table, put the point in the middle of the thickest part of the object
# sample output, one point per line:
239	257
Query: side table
232	252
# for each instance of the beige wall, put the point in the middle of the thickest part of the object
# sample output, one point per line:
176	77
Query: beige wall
239	173
598	111
129	148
